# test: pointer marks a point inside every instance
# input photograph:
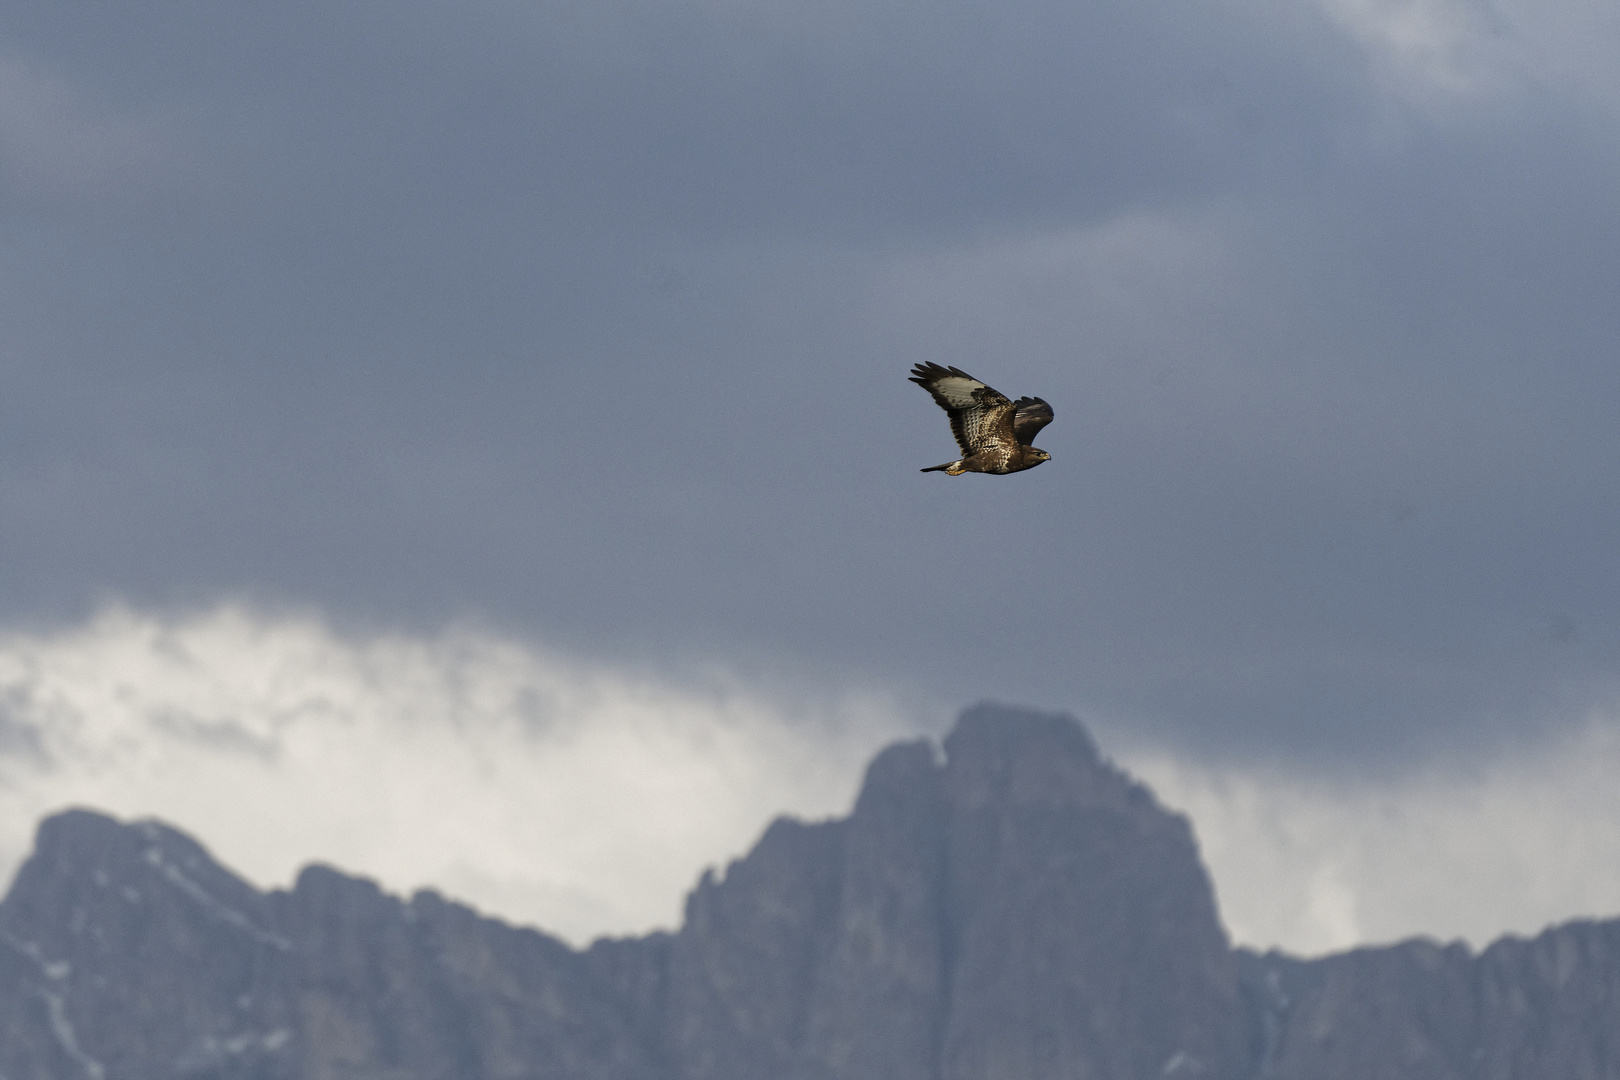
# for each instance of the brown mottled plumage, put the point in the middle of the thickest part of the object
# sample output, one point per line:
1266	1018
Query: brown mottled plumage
993	432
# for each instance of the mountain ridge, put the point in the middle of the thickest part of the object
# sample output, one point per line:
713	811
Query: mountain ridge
1006	905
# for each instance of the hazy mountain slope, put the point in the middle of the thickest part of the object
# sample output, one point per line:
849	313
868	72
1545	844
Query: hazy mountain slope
1544	1009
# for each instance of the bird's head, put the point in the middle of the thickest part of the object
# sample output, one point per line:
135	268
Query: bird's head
1036	456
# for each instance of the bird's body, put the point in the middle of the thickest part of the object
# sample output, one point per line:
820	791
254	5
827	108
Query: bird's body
993	432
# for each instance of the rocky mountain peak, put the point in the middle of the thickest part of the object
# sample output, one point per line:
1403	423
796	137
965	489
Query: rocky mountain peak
999	754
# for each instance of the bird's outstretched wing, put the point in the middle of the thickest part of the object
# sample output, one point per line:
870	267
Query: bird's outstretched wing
1030	414
980	415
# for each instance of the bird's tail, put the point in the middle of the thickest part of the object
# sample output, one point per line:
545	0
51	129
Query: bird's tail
952	467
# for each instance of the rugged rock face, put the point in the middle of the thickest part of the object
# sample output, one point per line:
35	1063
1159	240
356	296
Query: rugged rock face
1023	911
1083	930
126	952
1546	1009
1018	911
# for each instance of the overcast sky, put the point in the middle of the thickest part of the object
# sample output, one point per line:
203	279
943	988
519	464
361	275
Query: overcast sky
586	324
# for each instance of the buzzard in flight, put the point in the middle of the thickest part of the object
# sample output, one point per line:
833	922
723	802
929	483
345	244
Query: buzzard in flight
994	433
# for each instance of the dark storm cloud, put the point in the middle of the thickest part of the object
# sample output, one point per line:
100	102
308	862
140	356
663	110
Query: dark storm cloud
594	318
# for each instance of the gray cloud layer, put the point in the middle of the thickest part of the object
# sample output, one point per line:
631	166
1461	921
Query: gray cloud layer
593	319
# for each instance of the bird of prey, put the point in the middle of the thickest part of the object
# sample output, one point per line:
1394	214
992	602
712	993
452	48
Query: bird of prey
994	433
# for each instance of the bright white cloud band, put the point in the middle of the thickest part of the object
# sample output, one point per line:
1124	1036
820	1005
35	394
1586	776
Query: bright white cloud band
586	799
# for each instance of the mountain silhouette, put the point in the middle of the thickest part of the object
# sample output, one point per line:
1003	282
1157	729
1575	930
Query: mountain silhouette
1014	908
